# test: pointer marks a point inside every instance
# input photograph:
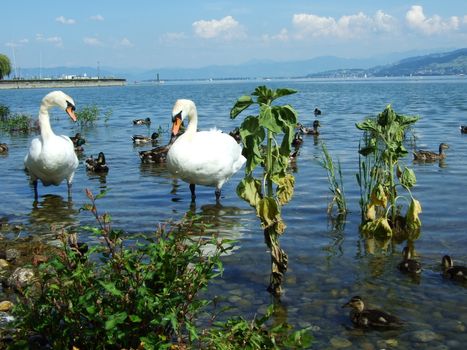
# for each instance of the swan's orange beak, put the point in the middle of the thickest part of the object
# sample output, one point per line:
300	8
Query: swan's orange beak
177	121
70	109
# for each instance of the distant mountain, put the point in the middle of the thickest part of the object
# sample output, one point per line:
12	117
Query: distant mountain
446	63
420	63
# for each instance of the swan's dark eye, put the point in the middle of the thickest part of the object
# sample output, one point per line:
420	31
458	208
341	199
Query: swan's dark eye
178	115
68	104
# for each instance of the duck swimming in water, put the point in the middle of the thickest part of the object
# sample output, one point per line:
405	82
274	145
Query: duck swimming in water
426	156
370	318
3	148
98	165
409	265
454	272
146	121
310	131
206	158
141	139
78	142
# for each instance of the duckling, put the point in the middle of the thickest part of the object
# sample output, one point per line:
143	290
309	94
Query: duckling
297	139
430	156
146	121
141	139
3	148
78	142
310	131
317	111
409	265
463	129
370	318
454	272
97	165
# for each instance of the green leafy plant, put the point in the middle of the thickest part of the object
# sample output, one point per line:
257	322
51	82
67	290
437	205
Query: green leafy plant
88	115
238	333
140	296
380	175
15	123
117	296
274	186
336	183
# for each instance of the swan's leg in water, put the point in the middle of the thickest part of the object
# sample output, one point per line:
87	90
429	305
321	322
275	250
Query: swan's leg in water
34	184
218	194
192	189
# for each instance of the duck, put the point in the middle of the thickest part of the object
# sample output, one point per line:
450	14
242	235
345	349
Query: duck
429	156
235	133
454	272
370	318
3	148
78	142
52	158
158	154
317	111
141	139
206	158
463	129
297	139
146	121
409	265
310	131
98	165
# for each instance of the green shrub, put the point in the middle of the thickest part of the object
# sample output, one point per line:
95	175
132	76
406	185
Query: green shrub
17	123
139	296
4	112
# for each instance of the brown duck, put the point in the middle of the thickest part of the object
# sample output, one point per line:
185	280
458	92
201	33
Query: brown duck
422	155
370	318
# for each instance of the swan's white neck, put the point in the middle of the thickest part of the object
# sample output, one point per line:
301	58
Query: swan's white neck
193	121
44	122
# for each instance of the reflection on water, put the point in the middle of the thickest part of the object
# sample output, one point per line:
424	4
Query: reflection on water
51	214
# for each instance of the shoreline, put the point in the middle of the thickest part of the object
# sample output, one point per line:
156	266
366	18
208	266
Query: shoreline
59	83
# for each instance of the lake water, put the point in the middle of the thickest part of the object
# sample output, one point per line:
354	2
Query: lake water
328	263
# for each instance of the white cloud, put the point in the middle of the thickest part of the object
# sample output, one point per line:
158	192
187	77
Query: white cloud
125	42
92	41
17	43
344	27
64	20
97	18
417	20
282	36
226	28
54	40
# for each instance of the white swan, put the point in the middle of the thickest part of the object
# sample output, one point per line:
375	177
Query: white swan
51	158
207	158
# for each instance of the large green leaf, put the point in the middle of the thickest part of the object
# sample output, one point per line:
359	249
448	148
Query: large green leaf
408	178
249	189
115	320
242	103
268	120
283	92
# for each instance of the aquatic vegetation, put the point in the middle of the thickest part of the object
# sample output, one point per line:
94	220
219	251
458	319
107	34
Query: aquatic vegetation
15	123
88	115
383	148
274	158
336	183
138	295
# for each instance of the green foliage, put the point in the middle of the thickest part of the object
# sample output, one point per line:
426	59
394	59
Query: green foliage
15	123
143	296
380	173
239	333
5	66
336	185
119	297
272	122
88	115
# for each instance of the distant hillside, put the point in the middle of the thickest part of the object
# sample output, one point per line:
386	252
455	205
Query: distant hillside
447	63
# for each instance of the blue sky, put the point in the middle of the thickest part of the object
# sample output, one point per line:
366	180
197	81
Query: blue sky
162	34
